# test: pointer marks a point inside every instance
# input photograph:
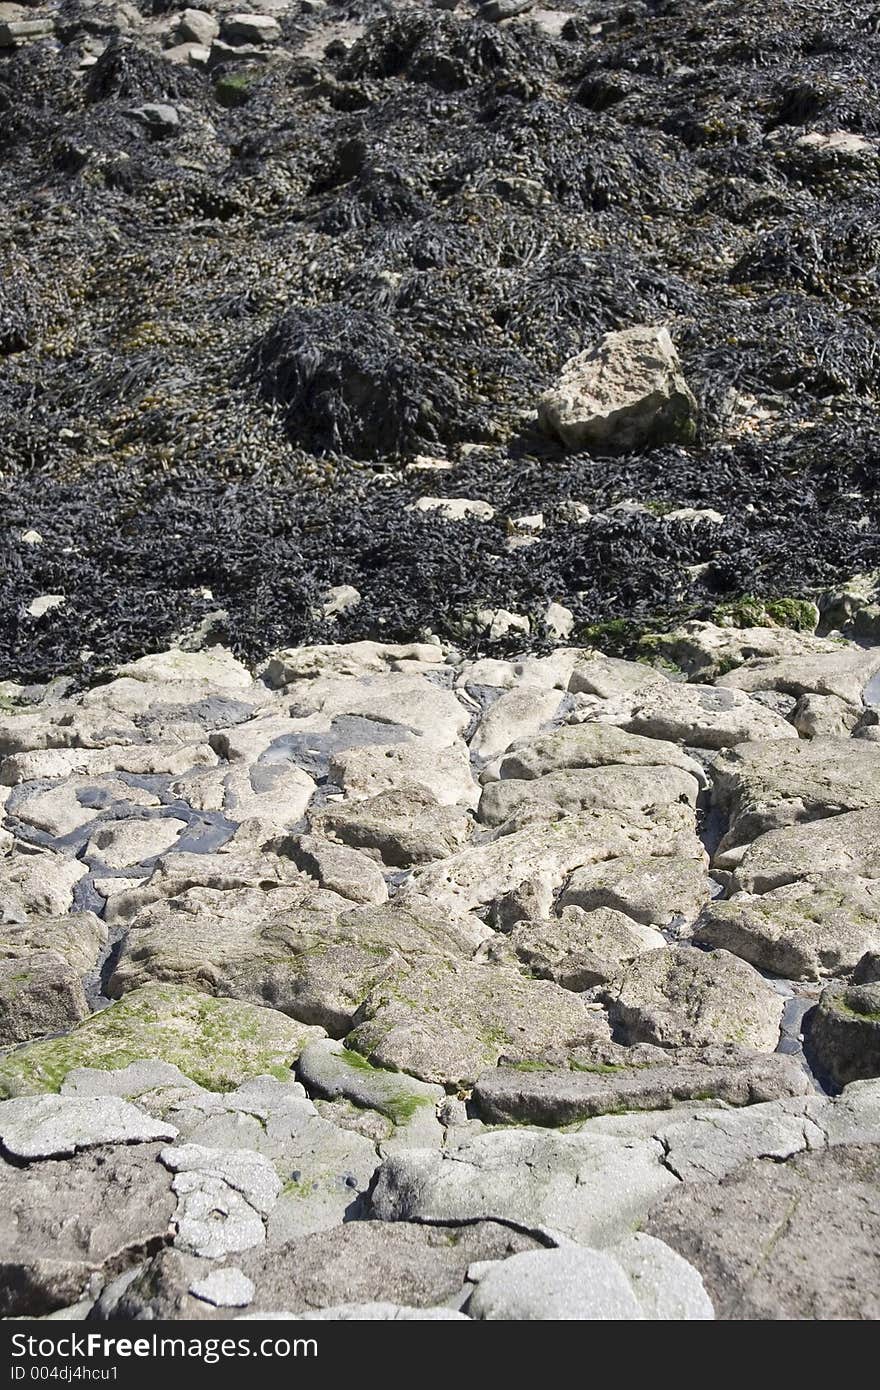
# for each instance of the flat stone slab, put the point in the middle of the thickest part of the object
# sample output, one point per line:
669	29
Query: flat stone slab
792	1240
562	1097
33	1127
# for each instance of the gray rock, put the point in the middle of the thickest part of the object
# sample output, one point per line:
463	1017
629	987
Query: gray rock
197	26
580	746
554	1096
843	672
59	1228
39	994
480	874
579	949
35	1127
796	1240
825	716
518	713
624	789
702	716
626	392
705	651
224	1288
121	843
446	1020
251	28
215	1041
339	869
843	1032
802	931
222	1198
373	768
304	955
607	676
853	1117
330	1070
594	1189
666	1287
158	117
764	786
37	884
77	937
569	1284
411	702
17	31
849	843
129	1082
712	1145
400	828
688	998
494	11
652	890
375	1312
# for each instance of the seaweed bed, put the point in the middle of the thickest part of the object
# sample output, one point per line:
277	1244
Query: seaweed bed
223	349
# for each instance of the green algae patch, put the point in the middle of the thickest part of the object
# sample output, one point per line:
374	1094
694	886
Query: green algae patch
217	1042
799	615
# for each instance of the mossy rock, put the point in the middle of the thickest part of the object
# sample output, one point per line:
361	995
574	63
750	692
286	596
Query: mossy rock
217	1042
796	614
235	88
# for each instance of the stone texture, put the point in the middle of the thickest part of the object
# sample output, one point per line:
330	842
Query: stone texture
626	392
217	1042
594	1189
844	672
519	712
39	994
77	937
802	931
626	790
685	997
399	828
570	1284
34	1127
121	843
764	786
37	884
60	1228
373	768
224	1288
580	949
580	746
843	1037
557	1096
652	890
776	1241
339	869
848	844
702	716
331	1070
314	956
446	1020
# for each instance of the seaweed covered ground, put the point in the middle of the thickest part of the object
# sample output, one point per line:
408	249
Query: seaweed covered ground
232	335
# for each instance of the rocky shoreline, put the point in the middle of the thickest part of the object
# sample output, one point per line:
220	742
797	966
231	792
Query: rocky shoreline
390	983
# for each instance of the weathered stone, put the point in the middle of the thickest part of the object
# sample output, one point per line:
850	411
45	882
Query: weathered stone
445	1020
373	768
59	1227
705	651
803	931
322	1169
217	1042
713	1144
251	28
592	1189
579	949
345	659
57	1126
567	1284
312	956
764	786
454	508
626	392
277	793
178	872
410	701
607	676
690	998
130	1082
372	1312
197	26
796	1240
73	803
843	672
625	790
339	869
551	850
508	1095
213	665
402	827
331	1070
666	1287
224	1288
849	844
222	1198
825	716
702	716
39	993
37	884
853	1117
121	843
581	746
843	1032
519	712
652	890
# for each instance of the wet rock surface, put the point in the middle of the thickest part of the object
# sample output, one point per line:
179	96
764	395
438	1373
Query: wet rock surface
368	1051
